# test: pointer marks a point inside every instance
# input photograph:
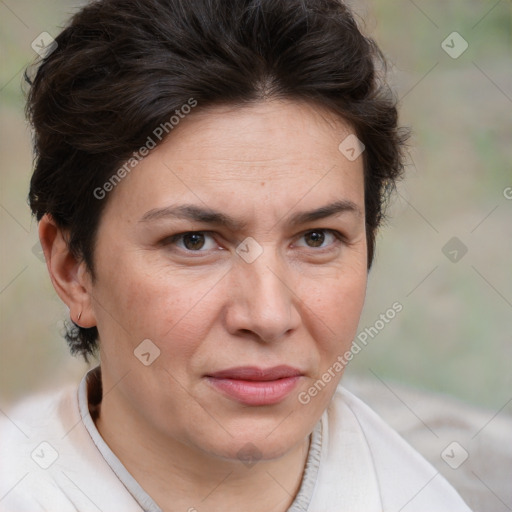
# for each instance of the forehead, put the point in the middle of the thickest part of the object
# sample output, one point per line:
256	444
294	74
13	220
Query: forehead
272	153
259	134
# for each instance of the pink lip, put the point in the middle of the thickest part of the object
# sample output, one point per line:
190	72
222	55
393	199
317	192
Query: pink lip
256	386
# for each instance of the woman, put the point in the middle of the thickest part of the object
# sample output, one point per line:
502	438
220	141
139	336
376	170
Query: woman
209	179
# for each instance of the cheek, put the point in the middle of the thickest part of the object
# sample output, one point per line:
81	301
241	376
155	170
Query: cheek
335	304
164	306
334	311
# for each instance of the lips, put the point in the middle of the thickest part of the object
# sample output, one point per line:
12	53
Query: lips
255	386
254	373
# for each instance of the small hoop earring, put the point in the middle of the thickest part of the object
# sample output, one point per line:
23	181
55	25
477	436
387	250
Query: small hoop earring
79	315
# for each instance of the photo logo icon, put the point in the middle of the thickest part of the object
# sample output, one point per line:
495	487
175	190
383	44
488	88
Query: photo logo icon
44	455
44	44
249	250
454	455
454	249
351	147
147	352
37	251
249	454
454	45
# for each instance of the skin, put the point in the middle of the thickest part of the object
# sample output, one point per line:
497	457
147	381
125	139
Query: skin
207	309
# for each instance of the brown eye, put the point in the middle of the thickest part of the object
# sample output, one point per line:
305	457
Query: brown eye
200	242
320	239
193	241
315	238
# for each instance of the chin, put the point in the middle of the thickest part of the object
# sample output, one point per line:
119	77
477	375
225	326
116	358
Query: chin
252	442
250	451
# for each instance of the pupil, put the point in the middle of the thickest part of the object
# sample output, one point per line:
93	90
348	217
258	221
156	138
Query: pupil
193	241
317	238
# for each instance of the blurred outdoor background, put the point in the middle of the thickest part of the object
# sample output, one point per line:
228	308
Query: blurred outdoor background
454	333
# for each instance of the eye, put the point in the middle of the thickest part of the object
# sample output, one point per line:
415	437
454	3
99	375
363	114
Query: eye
320	238
194	241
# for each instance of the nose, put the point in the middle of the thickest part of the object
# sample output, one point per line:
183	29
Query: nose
263	302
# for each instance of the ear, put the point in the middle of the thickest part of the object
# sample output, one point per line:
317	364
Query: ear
70	277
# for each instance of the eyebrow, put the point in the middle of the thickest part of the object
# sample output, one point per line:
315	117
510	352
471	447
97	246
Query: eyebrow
208	216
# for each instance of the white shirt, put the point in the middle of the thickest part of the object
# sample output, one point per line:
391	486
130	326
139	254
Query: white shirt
52	458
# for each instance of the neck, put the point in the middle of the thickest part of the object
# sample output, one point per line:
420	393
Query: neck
180	477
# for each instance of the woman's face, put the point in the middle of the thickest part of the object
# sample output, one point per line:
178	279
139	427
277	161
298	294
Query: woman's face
230	275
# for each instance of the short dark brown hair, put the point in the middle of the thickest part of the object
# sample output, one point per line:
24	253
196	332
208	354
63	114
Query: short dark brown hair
121	68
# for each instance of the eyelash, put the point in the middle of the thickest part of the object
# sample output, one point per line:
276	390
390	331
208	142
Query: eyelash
172	240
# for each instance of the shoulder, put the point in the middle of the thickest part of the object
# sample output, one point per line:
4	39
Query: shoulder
404	479
30	438
463	441
48	461
40	417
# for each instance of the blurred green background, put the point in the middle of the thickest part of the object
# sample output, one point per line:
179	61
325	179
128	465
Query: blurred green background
455	331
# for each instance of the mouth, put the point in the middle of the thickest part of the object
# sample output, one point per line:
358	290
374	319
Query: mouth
255	386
